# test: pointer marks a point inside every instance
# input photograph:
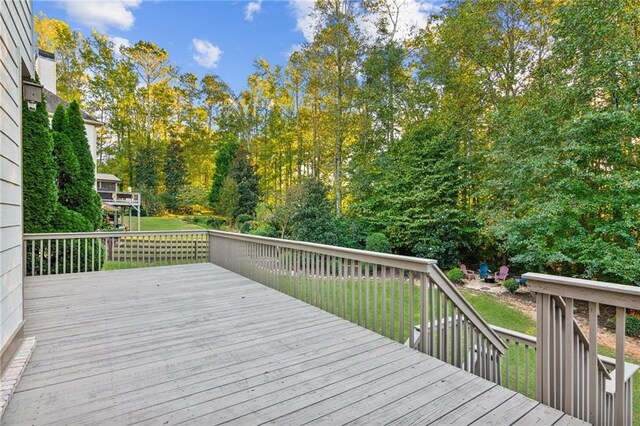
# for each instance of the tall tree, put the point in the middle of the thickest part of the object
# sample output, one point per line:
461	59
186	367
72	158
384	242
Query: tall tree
89	204
336	43
39	192
224	157
244	174
55	36
174	175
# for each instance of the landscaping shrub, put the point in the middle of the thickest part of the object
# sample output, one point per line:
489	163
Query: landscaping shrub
632	326
455	275
242	218
266	230
511	285
246	227
214	222
378	242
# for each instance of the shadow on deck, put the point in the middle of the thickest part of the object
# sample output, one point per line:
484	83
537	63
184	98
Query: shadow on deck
199	344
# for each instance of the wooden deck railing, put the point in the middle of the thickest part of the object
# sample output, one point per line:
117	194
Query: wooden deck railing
49	254
569	374
386	293
519	373
404	298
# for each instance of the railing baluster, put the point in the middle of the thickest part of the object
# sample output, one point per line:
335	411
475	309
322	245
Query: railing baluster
411	320
374	289
402	285
423	313
343	285
40	255
48	257
392	287
367	320
432	342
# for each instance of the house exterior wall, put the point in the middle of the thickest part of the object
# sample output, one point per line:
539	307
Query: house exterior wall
16	63
46	69
92	137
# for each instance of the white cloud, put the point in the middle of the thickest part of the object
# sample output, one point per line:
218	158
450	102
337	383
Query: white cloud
408	16
101	14
411	15
118	43
251	9
306	22
206	55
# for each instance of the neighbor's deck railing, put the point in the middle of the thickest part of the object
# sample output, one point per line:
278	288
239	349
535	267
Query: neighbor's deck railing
49	254
569	374
386	293
119	197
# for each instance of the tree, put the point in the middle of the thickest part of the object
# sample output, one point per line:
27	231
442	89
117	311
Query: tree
87	201
311	218
244	174
147	178
337	45
418	204
224	158
70	193
228	200
39	192
55	36
174	176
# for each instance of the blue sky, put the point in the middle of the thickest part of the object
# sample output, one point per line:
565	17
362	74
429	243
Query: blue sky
214	36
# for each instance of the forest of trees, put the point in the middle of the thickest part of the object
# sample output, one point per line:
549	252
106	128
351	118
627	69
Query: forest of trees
502	131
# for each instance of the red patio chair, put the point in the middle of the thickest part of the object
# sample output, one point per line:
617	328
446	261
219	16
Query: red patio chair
468	275
502	274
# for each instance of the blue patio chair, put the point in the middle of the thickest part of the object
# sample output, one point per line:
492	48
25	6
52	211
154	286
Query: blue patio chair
484	271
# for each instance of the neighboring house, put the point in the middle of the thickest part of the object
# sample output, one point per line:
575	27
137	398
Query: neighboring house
16	64
46	68
117	202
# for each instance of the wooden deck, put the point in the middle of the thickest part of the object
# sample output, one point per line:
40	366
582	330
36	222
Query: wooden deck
198	344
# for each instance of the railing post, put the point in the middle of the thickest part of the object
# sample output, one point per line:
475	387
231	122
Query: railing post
593	363
619	416
567	354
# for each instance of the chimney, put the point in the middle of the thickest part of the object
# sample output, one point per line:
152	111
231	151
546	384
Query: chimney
46	69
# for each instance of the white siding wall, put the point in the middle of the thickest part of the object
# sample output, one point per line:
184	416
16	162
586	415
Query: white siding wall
16	57
46	69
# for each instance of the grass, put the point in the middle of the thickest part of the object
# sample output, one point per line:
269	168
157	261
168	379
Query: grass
174	223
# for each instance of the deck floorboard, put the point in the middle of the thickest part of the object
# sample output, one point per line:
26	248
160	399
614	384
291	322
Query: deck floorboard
198	344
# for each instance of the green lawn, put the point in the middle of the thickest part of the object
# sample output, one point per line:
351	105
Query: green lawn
162	224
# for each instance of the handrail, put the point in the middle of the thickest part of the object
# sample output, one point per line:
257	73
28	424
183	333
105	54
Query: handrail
98	234
557	372
384	259
522	338
390	260
375	290
471	313
627	296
